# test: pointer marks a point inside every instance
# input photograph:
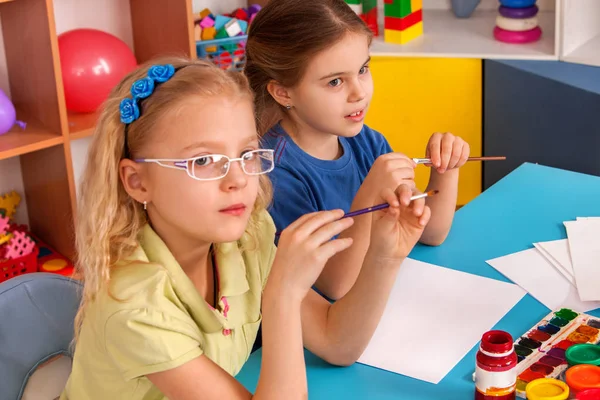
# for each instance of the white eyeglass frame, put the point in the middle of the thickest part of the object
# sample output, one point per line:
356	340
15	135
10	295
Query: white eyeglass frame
183	163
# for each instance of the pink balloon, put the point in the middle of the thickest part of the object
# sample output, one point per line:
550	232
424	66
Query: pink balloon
92	63
7	113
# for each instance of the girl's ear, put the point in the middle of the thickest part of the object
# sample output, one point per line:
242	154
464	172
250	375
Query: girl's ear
280	93
132	176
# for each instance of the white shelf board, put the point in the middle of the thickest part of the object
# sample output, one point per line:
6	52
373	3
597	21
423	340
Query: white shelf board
448	36
588	53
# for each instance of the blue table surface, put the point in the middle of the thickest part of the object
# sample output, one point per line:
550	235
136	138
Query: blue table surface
529	205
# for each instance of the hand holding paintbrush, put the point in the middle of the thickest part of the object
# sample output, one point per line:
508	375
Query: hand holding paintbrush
395	231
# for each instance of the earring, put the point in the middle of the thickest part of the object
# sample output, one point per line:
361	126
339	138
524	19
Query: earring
288	107
145	205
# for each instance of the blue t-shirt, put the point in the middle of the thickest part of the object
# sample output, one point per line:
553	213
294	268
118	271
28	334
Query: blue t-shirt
303	184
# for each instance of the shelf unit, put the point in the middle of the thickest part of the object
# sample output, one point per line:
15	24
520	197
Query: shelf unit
580	40
36	87
159	27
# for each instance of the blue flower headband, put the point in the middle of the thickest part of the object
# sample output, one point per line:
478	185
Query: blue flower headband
142	88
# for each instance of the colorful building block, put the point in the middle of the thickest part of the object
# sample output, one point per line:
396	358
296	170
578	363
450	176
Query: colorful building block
9	203
205	13
243	26
207	22
233	28
220	21
240	13
403	20
209	33
369	15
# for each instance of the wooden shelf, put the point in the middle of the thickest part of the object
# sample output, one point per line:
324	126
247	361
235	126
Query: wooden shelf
81	125
5	1
447	36
34	137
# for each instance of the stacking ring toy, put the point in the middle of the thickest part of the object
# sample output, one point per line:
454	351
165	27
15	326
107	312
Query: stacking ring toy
529	36
517	3
523	24
526	12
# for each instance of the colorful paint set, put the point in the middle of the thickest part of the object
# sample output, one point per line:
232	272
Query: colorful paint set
541	350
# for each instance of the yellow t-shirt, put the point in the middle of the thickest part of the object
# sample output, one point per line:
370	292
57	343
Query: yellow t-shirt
162	322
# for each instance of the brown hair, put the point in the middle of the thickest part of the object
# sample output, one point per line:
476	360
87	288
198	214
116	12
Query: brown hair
283	38
109	220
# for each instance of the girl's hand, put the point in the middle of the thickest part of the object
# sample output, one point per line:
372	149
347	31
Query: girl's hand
389	171
447	151
396	230
304	248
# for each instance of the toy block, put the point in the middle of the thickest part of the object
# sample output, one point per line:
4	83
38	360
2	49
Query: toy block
9	203
405	36
221	34
205	13
209	33
355	5
220	21
397	8
371	20
233	28
243	26
207	22
416	5
400	24
241	14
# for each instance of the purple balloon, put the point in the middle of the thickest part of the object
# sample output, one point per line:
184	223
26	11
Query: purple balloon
7	113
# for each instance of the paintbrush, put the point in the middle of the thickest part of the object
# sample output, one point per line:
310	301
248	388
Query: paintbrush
386	205
428	160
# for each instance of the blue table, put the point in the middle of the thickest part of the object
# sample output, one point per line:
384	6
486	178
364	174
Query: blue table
527	206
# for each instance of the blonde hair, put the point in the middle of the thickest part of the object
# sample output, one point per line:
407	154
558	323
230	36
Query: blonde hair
109	220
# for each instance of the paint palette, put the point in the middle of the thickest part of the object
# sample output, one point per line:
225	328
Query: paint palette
541	350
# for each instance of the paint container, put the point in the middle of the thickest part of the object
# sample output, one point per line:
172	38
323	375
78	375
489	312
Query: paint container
496	367
582	377
542	350
590	394
547	389
583	353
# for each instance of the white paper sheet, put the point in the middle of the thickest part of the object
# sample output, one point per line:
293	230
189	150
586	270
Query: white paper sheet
584	246
557	252
425	296
530	270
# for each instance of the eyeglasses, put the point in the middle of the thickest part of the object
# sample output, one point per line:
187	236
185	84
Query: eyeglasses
211	167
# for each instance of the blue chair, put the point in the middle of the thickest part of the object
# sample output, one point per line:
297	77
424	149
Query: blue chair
37	312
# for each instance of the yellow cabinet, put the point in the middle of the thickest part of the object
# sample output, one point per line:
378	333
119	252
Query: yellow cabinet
416	97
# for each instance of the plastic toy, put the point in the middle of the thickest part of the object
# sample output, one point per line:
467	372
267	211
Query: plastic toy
403	20
9	203
517	22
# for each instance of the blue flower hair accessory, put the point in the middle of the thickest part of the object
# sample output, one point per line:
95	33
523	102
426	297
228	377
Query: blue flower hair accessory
142	88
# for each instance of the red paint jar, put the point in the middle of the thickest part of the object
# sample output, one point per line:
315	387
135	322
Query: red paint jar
496	369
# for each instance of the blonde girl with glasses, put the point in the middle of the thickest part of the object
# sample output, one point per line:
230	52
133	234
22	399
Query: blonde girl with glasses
176	251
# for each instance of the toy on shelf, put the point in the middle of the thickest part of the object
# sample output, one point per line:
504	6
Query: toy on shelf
9	203
8	115
20	251
517	22
403	20
222	38
464	8
367	10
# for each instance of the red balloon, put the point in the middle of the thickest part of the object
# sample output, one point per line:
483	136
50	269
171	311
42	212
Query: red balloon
92	63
